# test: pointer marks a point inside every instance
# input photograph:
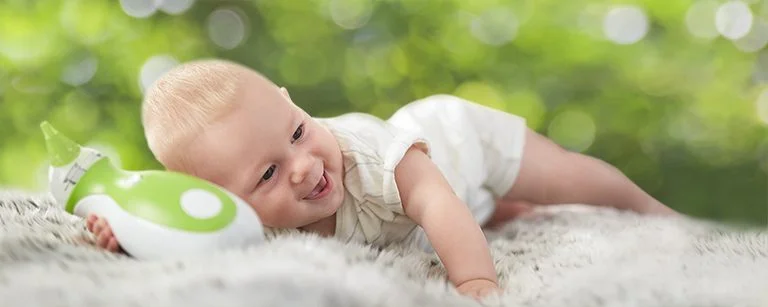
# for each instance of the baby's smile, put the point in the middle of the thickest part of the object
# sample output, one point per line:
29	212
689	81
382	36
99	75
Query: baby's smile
322	188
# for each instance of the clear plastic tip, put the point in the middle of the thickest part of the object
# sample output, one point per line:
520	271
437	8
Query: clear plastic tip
61	150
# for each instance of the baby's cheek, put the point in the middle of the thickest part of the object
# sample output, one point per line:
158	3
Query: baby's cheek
254	205
279	209
267	210
266	217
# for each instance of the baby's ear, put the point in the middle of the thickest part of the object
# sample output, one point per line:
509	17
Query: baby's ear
285	92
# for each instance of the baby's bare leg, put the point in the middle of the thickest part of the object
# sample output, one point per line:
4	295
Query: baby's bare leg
506	210
104	236
550	174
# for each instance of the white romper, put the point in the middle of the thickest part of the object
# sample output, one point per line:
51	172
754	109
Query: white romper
478	150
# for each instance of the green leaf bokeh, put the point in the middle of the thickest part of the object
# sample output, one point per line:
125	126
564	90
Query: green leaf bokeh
679	108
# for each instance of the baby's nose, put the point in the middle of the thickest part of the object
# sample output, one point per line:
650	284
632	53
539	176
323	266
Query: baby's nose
302	168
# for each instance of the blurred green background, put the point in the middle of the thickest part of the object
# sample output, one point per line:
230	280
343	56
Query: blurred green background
672	92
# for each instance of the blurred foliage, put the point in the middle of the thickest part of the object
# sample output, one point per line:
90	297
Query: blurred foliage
649	86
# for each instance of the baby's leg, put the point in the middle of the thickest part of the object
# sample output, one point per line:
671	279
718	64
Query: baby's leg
506	210
549	174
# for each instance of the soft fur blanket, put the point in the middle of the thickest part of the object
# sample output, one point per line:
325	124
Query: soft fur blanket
567	256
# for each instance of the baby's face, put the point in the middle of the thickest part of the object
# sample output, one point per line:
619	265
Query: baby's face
272	154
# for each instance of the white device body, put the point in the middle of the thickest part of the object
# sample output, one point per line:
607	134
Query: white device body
145	240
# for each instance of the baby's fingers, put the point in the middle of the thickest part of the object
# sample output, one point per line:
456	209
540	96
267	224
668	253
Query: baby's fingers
112	245
100	226
104	237
91	221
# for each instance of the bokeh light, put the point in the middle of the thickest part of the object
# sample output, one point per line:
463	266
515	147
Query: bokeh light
80	71
755	40
496	26
175	7
351	14
527	104
625	25
573	129
139	8
482	93
227	28
733	19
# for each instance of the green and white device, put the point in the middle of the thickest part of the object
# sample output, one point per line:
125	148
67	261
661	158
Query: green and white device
153	214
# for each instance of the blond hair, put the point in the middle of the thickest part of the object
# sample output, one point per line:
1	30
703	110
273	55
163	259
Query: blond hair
185	100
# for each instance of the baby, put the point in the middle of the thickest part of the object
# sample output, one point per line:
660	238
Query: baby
431	175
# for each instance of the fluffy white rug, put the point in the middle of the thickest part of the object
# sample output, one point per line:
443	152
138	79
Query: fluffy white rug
570	256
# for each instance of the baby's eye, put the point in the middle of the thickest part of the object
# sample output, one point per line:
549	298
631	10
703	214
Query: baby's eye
268	174
298	133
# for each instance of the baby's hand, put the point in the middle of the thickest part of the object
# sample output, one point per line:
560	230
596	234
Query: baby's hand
478	288
104	237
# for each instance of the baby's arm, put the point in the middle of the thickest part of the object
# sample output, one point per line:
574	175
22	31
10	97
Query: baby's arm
550	174
455	235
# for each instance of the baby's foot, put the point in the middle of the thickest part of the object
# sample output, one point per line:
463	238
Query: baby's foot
104	236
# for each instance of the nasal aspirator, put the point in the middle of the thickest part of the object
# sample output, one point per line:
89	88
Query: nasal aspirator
153	214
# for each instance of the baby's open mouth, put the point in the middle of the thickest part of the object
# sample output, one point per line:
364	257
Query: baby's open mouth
320	189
